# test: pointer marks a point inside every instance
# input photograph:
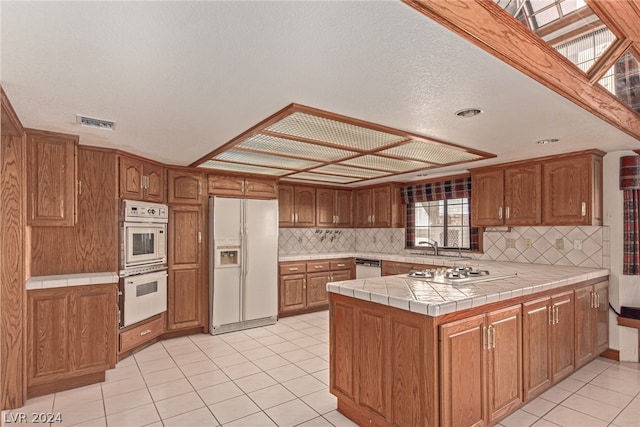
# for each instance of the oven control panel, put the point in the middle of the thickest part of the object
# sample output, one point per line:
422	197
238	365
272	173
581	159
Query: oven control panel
136	211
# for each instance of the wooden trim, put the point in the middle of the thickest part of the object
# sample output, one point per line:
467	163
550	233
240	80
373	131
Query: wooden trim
489	27
576	16
592	151
608	59
629	322
437	179
67	384
11	124
621	17
611	354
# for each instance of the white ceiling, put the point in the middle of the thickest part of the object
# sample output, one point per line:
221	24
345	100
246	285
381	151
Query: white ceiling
182	78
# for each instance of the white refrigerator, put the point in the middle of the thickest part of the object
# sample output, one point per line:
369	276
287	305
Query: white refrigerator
244	264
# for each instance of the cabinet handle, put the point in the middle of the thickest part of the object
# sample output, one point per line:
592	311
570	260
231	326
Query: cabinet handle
373	219
79	188
484	337
500	212
551	315
340	265
292	217
293	268
199	237
584	209
304	283
491	333
597	300
556	319
296	218
369	219
242	186
593	299
199	188
317	266
143	333
507	212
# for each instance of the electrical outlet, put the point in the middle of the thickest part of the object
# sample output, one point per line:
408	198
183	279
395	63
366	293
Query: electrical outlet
560	244
392	238
577	245
375	239
528	243
299	239
511	243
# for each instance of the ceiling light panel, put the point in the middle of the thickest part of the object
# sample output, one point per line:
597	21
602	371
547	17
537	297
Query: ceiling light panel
275	145
265	159
236	167
385	163
331	131
431	153
310	176
350	171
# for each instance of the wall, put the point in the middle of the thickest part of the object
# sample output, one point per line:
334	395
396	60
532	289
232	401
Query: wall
623	290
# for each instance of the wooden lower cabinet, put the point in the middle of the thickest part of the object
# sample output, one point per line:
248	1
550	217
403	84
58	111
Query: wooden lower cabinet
391	268
141	333
71	336
292	293
316	289
481	368
592	322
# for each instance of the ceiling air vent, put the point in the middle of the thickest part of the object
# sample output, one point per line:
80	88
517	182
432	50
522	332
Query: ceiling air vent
92	122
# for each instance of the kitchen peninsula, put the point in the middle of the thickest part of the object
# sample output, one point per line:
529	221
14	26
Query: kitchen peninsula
413	352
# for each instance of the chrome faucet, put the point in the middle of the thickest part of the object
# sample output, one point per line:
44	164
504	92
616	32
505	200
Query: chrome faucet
459	250
434	245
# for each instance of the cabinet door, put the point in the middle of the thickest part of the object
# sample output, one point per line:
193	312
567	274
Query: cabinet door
381	207
286	214
131	179
601	318
223	185
305	206
522	199
566	191
463	372
504	362
185	187
562	334
584	325
292	292
185	276
317	289
325	207
536	369
372	361
363	208
51	184
343	208
154	186
261	188
340	275
487	195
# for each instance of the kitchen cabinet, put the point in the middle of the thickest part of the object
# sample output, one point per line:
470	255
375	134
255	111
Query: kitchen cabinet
378	207
237	186
507	196
186	296
547	328
572	189
391	268
51	178
303	285
333	208
141	333
296	206
140	180
71	337
485	351
592	322
185	187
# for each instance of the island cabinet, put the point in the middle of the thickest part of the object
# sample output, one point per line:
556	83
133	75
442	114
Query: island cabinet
509	196
483	350
238	186
378	207
391	268
592	322
296	206
333	208
51	178
547	327
71	337
140	180
303	284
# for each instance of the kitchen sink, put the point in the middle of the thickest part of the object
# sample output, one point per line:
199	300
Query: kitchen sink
439	256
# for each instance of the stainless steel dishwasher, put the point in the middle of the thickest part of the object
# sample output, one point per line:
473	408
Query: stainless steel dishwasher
367	268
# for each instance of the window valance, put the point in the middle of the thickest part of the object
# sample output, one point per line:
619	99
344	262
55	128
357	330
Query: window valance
442	190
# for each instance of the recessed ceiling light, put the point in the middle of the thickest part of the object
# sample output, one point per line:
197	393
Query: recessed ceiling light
548	141
468	112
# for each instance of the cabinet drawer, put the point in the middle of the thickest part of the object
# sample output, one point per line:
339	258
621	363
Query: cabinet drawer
295	268
142	333
340	264
318	266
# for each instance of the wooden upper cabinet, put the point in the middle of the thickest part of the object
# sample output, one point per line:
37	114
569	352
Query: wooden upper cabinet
140	180
333	208
296	206
522	195
237	186
185	187
52	178
378	207
572	189
487	198
363	208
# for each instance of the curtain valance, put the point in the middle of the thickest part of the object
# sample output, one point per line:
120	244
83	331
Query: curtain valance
442	190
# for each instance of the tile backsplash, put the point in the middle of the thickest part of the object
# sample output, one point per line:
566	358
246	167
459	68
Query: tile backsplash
537	245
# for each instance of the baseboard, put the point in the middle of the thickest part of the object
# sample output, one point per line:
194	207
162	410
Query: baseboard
611	354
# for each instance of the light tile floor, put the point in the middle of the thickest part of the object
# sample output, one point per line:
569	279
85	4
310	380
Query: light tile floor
279	375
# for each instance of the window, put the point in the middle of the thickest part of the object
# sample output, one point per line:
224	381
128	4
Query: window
443	221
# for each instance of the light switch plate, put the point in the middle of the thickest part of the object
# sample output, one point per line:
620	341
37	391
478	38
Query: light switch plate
528	243
511	243
577	245
560	244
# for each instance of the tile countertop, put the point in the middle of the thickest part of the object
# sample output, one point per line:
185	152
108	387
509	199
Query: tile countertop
64	280
434	299
418	259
